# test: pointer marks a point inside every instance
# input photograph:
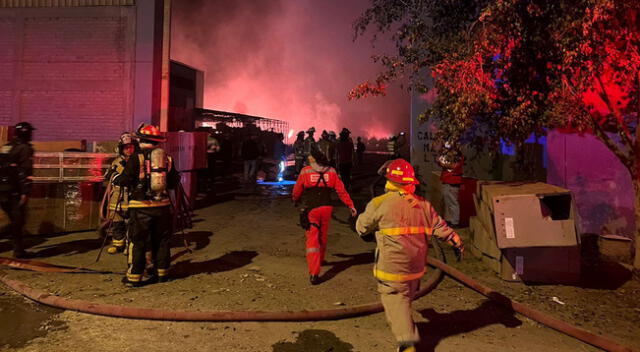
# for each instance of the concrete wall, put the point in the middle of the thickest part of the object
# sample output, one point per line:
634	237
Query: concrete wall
421	135
600	183
77	72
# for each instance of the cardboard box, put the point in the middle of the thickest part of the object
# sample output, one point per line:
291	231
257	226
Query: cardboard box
494	264
534	238
480	184
475	251
484	215
490	191
615	248
484	240
60	146
550	265
103	147
532	220
6	134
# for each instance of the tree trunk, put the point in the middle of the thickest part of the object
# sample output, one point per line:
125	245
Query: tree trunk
636	187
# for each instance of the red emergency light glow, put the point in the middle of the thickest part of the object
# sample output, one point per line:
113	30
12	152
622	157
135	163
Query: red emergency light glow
292	60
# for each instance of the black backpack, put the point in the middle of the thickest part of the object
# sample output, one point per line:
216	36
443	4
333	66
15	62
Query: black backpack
316	193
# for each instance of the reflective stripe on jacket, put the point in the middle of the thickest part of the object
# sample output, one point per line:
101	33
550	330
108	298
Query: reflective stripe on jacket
117	201
403	224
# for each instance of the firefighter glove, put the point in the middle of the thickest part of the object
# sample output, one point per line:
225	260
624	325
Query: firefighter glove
459	252
370	237
458	246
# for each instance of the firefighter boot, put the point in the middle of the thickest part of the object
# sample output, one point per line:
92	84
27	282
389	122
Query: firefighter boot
406	348
158	276
115	249
129	283
22	254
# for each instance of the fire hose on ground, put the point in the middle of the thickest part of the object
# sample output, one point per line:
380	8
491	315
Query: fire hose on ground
39	296
204	316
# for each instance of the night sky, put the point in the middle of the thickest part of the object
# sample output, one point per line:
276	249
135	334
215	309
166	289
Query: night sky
293	60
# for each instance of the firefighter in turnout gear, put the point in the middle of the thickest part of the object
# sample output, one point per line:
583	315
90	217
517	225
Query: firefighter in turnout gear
402	223
314	187
148	174
298	150
328	148
310	143
118	196
16	172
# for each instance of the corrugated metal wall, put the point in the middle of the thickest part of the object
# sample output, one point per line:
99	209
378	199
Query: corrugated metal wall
64	3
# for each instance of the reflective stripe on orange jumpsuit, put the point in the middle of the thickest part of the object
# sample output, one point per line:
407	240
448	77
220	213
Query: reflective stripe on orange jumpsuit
320	208
402	223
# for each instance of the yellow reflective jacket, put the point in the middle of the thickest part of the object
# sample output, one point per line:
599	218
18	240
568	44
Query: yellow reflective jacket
403	224
116	200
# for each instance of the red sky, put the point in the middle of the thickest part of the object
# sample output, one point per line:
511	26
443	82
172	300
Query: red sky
293	60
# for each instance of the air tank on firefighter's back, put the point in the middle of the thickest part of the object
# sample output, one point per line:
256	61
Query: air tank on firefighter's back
158	172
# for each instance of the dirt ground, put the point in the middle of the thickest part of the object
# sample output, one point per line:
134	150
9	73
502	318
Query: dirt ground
249	255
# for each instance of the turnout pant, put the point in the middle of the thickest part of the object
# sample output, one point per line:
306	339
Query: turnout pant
118	230
299	165
317	237
250	170
16	214
345	174
396	298
149	226
451	205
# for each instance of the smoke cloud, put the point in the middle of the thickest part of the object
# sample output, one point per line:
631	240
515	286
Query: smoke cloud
292	60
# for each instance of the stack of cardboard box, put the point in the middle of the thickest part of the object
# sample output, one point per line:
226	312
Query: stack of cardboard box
6	134
526	232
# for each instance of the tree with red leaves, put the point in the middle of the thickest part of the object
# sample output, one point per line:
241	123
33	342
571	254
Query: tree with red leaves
519	67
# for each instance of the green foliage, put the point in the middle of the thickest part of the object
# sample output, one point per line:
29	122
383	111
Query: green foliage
517	67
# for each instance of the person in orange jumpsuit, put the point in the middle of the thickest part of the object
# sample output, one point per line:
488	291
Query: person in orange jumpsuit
313	188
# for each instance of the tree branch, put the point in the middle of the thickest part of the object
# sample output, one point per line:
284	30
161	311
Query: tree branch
627	160
626	135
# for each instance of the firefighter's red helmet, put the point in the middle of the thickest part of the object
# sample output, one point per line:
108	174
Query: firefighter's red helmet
400	171
150	133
